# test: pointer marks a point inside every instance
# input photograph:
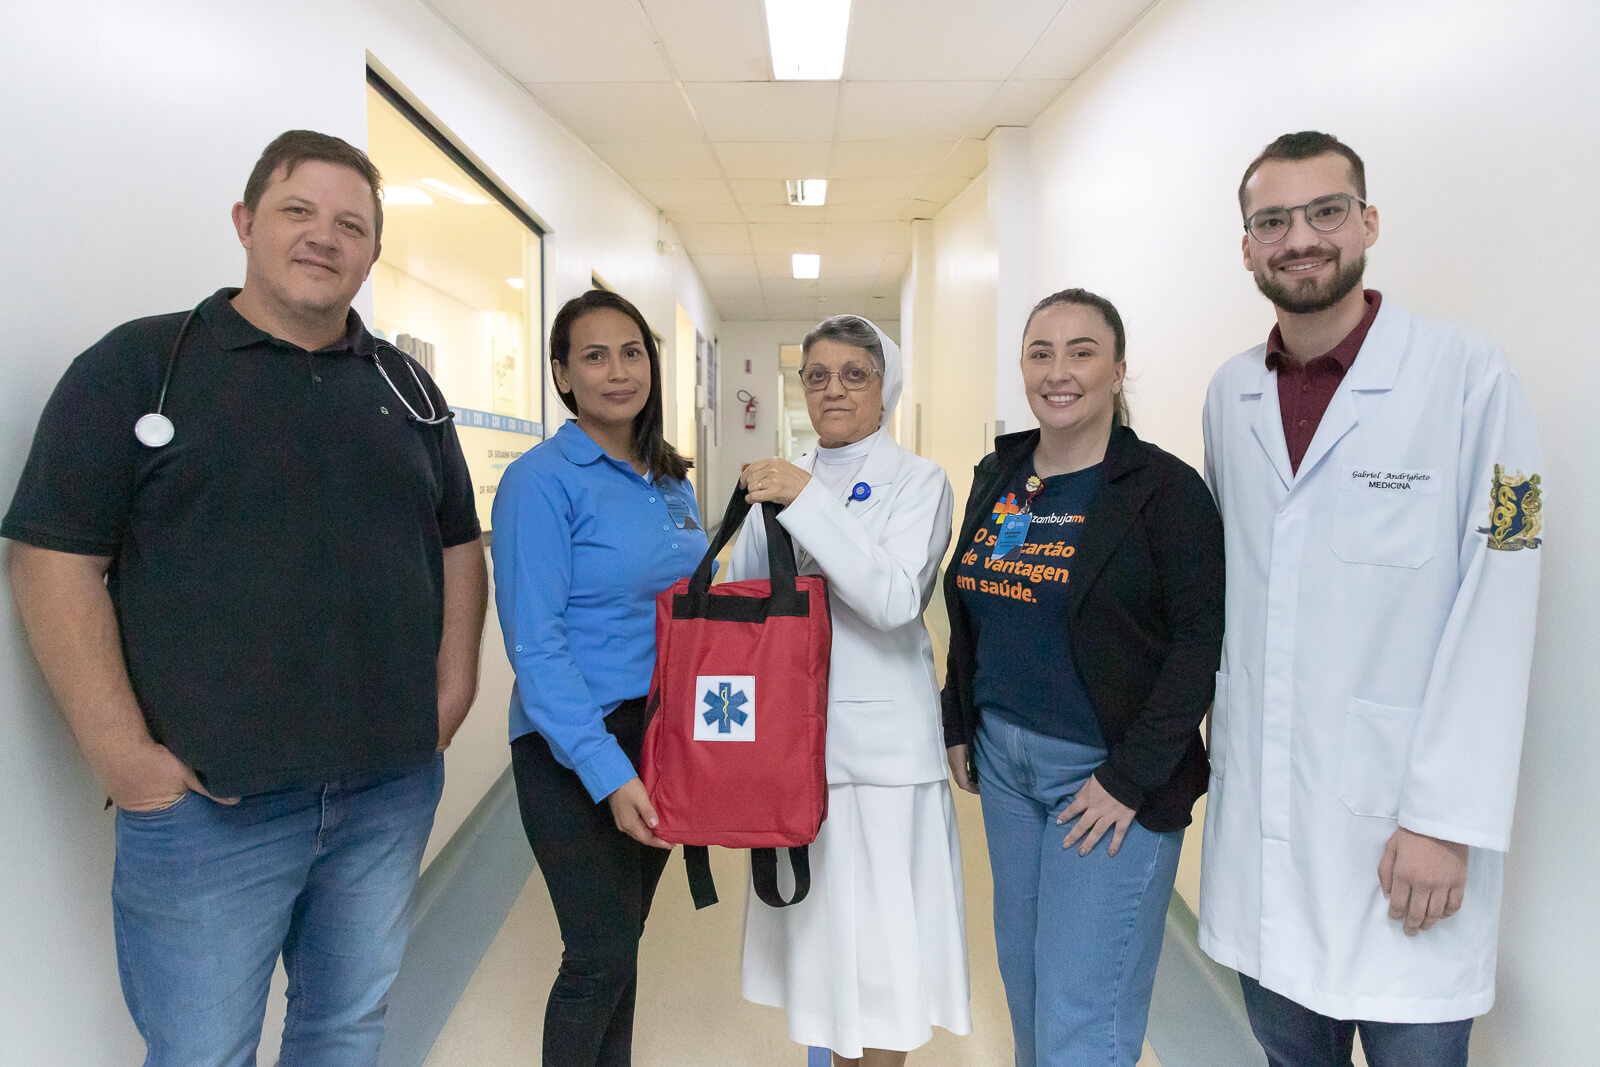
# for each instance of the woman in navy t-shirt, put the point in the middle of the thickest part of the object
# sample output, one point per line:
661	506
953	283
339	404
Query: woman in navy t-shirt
1085	610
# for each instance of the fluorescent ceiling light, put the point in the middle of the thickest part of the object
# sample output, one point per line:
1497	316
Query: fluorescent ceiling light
460	196
807	264
808	192
515	283
807	38
404	196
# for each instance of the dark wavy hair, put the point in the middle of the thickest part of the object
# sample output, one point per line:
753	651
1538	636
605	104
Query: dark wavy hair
294	147
1308	144
1108	311
649	440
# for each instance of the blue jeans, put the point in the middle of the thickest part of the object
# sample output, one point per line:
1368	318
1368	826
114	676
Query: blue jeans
1295	1036
1078	936
206	895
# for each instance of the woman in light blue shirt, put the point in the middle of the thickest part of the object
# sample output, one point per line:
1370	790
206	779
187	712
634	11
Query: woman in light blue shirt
588	527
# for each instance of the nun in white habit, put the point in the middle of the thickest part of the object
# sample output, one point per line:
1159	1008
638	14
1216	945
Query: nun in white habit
875	956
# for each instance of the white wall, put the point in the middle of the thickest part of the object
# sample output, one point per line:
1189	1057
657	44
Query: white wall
130	129
956	265
1480	128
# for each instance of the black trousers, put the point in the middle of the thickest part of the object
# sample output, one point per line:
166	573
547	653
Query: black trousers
601	882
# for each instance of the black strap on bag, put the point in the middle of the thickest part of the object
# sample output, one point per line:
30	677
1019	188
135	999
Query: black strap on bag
785	599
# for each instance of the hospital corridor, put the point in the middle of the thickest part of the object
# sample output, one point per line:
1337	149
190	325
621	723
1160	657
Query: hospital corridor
1210	653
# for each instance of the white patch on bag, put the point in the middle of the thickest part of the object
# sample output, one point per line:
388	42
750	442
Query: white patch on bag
726	708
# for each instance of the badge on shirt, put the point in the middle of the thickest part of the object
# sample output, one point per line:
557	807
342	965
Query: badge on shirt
1514	511
682	514
1013	534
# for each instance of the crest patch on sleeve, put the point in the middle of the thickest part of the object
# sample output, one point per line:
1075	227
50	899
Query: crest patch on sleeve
1514	506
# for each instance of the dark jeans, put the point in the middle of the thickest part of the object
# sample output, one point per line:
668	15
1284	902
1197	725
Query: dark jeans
601	882
1296	1036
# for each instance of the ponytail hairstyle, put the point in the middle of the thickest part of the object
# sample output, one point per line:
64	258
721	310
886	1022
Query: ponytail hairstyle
1108	311
649	441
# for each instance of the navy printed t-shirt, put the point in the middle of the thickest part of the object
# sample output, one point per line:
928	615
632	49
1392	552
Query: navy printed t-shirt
1019	609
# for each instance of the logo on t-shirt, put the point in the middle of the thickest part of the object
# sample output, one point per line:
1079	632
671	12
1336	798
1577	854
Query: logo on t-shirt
1006	505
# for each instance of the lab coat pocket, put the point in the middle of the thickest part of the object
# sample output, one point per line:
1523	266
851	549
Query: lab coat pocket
1376	749
1217	732
1388	518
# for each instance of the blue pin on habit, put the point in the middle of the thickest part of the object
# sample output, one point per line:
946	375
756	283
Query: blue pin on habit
860	491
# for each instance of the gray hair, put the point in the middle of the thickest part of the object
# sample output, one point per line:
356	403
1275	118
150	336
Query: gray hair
849	330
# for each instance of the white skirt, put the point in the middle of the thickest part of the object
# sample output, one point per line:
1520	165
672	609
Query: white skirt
876	955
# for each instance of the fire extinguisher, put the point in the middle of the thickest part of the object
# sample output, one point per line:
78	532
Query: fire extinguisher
750	405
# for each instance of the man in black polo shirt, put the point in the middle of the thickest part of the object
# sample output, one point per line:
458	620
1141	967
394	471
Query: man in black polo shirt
263	631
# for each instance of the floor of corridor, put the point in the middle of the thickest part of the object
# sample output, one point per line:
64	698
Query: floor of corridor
690	1013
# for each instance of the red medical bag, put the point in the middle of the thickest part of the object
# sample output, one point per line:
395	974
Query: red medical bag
737	717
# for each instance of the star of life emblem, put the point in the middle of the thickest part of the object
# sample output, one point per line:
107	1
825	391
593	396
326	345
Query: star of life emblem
726	710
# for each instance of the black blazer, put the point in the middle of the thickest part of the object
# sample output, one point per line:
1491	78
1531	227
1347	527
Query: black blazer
1146	621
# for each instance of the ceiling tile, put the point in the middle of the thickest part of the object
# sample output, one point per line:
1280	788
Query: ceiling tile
557	42
713	40
619	111
776	265
715	238
941	188
858	236
675	194
872	211
1083	30
952	40
851	264
774	159
786	238
803	309
876	159
741	310
765	111
727	211
861	190
724	266
967	160
744	288
1017	103
649	160
935	110
844	286
769	191
782	213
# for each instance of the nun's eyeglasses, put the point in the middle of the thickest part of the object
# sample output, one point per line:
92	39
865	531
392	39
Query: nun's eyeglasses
852	376
1324	214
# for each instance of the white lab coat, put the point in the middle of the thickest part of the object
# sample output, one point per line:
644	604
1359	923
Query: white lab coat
881	557
1374	672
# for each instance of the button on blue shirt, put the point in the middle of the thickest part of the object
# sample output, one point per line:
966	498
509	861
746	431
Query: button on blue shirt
578	561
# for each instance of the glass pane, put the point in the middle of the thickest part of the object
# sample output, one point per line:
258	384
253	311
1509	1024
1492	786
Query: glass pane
459	285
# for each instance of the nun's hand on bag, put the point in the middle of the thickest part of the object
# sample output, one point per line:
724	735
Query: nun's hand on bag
1096	811
630	807
776	480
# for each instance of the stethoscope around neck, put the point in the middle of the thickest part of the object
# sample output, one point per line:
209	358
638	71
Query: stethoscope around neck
155	430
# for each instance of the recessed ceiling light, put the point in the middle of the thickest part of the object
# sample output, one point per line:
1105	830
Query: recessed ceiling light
515	283
807	264
807	38
807	192
404	196
460	196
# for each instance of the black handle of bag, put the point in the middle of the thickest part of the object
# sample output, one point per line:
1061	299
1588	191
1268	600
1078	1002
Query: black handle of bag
763	873
785	599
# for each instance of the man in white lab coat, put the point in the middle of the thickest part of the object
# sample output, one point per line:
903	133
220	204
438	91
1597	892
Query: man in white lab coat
1378	477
